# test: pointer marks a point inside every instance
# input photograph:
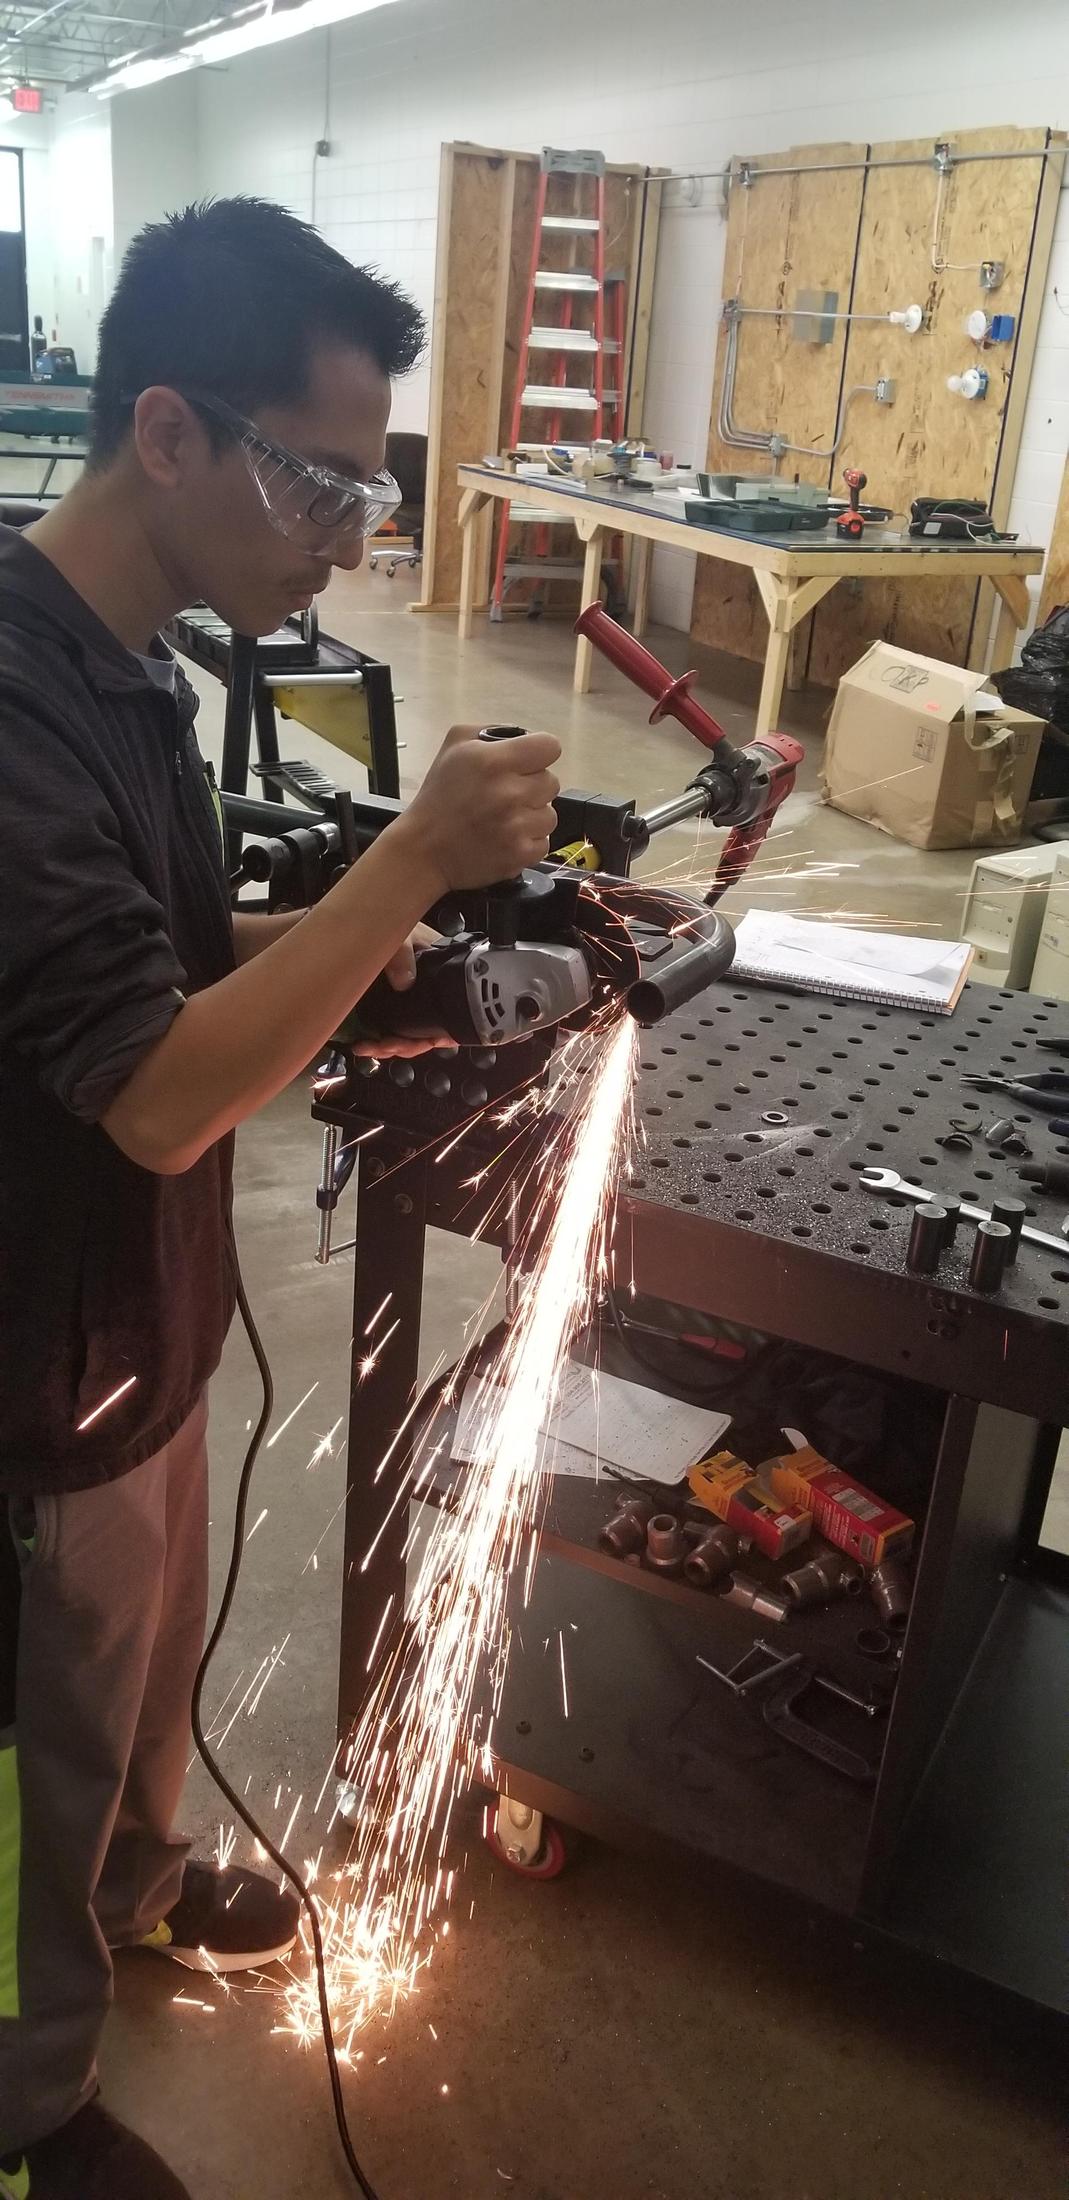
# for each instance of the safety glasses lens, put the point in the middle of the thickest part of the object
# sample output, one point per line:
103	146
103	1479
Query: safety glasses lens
306	507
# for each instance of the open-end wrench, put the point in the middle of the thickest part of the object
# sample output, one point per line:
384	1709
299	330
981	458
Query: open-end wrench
888	1180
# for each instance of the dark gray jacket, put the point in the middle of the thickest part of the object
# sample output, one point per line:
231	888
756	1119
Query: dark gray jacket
113	907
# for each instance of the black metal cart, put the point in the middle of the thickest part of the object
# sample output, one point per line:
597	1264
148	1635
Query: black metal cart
957	1847
299	673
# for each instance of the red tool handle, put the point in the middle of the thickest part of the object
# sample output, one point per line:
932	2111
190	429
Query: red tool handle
671	698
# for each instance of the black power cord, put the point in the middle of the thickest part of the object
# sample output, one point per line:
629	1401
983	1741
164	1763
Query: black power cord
235	1801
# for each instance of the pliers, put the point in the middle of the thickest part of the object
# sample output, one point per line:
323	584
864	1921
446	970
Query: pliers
1047	1091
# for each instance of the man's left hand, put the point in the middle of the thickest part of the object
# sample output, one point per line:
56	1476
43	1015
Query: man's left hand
401	972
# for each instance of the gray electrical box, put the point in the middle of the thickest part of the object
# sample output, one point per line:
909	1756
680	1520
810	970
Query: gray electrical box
812	316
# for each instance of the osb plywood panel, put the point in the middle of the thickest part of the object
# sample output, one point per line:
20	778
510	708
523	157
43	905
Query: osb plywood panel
930	442
787	234
1056	577
465	374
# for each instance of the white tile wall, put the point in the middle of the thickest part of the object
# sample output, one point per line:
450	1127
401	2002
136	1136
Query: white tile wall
80	210
681	85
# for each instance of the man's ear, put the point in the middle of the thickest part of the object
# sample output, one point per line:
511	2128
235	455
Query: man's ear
167	436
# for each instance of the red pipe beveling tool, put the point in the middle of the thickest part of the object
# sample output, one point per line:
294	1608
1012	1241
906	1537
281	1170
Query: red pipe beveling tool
746	785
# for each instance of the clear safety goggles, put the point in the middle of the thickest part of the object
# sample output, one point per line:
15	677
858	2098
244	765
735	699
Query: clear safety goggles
312	506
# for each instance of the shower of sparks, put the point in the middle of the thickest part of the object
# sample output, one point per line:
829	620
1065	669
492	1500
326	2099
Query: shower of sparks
324	1447
420	1740
105	1403
257	1523
371	1359
283	1425
377	1315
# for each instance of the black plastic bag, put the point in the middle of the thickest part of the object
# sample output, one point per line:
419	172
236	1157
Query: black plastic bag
1040	683
1047	650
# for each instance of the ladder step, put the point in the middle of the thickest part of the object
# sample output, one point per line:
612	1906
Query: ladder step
575	450
564	339
581	224
559	397
551	278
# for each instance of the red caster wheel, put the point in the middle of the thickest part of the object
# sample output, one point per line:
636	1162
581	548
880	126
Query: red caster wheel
529	1844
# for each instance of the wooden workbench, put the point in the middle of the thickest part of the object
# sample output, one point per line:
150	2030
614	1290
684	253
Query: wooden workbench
793	572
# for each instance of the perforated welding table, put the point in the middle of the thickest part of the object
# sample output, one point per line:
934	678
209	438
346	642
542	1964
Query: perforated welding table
958	1848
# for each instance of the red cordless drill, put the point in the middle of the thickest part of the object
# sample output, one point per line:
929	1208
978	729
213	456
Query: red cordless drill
852	522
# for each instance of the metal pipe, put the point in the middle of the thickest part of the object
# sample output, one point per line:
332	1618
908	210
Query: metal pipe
734	173
301	679
676	982
810	450
693	802
802	313
739	439
746	439
326	1201
270	818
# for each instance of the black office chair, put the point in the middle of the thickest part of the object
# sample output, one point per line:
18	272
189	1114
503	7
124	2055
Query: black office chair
406	459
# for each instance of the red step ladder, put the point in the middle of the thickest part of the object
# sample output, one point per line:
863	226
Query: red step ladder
569	211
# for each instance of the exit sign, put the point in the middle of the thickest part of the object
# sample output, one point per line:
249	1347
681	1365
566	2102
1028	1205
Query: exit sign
27	99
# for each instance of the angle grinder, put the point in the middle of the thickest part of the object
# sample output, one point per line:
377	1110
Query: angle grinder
550	947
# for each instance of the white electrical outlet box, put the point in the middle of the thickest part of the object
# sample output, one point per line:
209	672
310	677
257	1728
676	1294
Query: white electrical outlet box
1050	969
1004	911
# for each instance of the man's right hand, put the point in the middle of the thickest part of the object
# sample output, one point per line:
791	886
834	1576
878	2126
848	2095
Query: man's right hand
485	808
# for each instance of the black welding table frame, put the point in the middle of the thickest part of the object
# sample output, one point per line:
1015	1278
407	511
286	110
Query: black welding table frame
247	667
959	1847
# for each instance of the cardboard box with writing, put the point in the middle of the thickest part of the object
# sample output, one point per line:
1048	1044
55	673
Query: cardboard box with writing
921	750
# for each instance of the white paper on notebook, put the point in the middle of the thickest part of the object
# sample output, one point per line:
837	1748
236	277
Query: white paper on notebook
894	954
602	1423
832	958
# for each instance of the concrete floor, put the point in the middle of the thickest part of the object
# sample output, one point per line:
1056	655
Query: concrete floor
636	2030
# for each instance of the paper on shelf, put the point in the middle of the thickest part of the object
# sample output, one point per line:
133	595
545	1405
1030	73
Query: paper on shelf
601	1422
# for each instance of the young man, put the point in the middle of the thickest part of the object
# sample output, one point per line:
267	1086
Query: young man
239	414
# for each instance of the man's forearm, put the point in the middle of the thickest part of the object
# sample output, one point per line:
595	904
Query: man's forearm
236	1044
254	930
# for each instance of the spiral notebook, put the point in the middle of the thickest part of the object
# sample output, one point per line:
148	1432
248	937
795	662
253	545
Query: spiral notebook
895	969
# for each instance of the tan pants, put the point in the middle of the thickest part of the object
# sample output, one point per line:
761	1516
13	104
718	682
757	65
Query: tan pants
110	1629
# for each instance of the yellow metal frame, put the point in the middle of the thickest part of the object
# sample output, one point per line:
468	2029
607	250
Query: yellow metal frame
337	714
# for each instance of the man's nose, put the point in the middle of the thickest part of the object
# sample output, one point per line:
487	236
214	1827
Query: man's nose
348	553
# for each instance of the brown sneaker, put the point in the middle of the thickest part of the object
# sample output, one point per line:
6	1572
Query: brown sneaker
90	2158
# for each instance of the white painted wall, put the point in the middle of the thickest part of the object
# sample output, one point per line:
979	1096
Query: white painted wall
682	85
155	155
81	238
31	135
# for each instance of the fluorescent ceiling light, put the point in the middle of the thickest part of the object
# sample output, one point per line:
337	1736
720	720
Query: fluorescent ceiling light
268	26
133	76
